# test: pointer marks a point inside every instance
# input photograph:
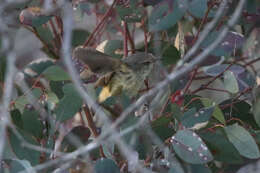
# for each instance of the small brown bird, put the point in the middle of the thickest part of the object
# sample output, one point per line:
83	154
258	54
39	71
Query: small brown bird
116	75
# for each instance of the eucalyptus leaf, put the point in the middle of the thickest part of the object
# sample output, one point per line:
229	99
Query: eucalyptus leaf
190	147
243	141
69	105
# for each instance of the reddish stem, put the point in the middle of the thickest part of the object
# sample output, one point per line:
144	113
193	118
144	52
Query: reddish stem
132	44
125	39
212	80
215	89
191	79
93	128
106	15
205	18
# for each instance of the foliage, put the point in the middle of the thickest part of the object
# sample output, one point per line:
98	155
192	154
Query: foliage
206	120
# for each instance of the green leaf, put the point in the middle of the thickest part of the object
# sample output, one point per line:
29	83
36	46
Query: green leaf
166	14
78	37
193	119
17	118
69	105
56	87
217	111
22	152
45	34
256	109
170	55
37	67
222	149
55	73
39	20
230	82
15	165
31	123
198	8
162	127
22	101
243	141
200	168
190	148
133	14
106	166
113	45
240	110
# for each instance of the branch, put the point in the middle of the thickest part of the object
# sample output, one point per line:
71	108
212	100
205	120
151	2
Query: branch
106	15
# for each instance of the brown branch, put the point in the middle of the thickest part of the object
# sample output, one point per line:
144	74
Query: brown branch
252	62
212	80
191	79
132	44
215	89
125	39
106	15
205	18
93	128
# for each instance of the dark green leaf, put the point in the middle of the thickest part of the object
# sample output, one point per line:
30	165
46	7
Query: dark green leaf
39	20
217	111
166	14
17	118
15	165
162	127
56	87
257	112
31	123
37	67
243	141
189	147
69	105
45	34
79	36
222	149
22	101
170	55
198	8
2	67
240	110
193	119
21	152
200	169
106	166
55	73
129	15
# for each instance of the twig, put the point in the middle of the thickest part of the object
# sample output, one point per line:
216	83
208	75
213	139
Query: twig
93	128
106	15
203	22
212	80
125	39
253	61
205	32
191	79
132	44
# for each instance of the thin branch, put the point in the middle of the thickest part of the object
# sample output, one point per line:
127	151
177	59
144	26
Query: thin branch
93	128
205	32
106	15
125	39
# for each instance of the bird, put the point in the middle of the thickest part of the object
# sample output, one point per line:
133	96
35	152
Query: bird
115	75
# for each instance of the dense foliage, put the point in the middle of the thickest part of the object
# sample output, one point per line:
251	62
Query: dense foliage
198	111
